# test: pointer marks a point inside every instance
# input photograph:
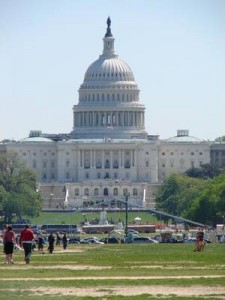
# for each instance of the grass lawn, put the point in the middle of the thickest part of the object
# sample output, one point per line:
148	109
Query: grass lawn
120	271
78	217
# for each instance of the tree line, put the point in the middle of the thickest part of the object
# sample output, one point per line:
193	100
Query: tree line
198	195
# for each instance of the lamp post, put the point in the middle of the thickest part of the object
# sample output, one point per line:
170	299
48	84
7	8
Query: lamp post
126	220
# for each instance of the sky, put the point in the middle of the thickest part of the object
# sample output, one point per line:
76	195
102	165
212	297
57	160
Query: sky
175	48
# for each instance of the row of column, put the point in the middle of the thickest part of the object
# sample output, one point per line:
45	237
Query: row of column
93	157
120	118
132	96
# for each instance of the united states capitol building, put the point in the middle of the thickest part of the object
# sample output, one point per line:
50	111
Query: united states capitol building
108	154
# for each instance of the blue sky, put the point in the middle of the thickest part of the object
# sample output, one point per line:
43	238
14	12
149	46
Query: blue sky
175	48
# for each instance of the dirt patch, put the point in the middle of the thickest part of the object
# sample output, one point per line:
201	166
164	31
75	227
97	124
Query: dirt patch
110	278
128	291
22	266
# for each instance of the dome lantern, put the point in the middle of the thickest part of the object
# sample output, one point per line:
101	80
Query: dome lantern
108	41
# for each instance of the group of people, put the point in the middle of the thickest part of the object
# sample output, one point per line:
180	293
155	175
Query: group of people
26	240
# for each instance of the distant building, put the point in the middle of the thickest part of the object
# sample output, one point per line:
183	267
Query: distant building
108	154
217	153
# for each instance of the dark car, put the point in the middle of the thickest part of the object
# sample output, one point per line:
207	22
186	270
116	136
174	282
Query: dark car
75	240
111	240
172	240
143	239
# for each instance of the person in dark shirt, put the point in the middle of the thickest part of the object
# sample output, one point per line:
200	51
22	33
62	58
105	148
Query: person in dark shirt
41	244
9	239
51	241
64	241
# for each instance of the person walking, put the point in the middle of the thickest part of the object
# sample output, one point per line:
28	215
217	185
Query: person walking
64	241
58	239
51	241
201	241
41	244
26	241
197	242
9	238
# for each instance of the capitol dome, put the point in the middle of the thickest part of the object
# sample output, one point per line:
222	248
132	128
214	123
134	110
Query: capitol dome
108	69
108	98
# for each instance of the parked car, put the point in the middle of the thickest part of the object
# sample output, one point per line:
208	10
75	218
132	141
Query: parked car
134	232
90	241
143	239
172	240
75	240
110	240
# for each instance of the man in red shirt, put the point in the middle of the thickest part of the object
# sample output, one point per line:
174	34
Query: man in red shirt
26	240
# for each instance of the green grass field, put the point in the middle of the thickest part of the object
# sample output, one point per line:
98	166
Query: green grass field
78	217
120	271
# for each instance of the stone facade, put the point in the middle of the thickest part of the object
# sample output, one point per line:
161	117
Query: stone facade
108	154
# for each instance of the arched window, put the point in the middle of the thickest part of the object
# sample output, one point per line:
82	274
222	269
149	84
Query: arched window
135	192
86	192
127	164
115	164
98	164
77	193
96	192
107	164
106	192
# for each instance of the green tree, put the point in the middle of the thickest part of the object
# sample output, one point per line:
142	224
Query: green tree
18	184
205	171
209	206
220	139
177	193
196	199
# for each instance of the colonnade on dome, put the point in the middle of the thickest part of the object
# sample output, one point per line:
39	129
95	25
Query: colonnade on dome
109	118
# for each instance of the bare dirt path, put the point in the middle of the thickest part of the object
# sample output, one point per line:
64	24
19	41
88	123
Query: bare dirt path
131	290
110	277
